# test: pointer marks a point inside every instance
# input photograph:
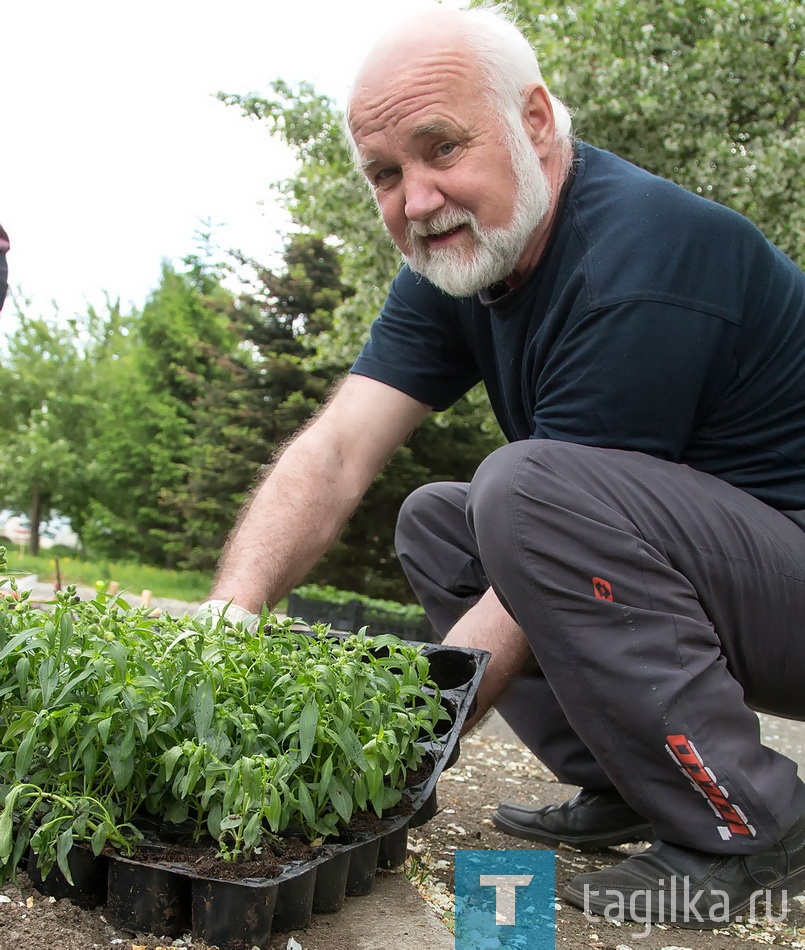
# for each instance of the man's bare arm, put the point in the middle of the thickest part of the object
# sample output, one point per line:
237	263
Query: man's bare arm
296	513
488	626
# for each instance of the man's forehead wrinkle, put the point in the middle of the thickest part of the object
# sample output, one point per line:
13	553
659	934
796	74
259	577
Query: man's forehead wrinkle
421	120
426	90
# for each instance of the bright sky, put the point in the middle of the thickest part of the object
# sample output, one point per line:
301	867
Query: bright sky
113	149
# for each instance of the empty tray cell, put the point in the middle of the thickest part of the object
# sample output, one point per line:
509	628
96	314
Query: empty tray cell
450	669
425	812
393	848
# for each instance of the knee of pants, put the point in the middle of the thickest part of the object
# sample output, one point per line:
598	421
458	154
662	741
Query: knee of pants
419	513
503	481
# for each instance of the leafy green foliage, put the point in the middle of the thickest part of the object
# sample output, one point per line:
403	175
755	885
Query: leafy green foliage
173	365
334	595
46	413
204	389
708	94
109	715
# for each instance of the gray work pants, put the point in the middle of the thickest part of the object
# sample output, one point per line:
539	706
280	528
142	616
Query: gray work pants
660	604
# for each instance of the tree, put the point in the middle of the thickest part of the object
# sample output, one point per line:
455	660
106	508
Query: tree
328	197
269	391
46	412
707	93
170	358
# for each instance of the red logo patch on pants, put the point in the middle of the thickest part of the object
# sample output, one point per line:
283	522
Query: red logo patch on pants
602	589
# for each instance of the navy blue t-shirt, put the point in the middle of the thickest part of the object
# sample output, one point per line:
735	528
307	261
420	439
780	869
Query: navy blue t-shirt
655	321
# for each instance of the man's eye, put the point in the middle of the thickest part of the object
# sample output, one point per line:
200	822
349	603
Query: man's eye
384	175
446	148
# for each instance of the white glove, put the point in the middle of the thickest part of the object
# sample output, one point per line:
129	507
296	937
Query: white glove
213	610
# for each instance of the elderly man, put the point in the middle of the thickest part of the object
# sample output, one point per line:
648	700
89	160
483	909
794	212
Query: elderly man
633	558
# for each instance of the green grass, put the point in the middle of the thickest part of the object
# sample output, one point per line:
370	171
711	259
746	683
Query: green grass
176	585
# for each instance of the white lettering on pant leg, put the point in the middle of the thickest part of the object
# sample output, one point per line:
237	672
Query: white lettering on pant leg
505	886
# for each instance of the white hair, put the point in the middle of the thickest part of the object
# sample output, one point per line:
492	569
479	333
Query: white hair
508	63
508	66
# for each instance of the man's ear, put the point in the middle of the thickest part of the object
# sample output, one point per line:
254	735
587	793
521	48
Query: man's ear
538	118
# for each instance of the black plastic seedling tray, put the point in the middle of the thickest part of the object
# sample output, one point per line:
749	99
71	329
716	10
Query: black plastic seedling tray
168	898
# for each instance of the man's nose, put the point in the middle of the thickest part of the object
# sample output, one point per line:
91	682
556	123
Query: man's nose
422	196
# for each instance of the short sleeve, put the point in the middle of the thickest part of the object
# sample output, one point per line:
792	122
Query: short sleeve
418	345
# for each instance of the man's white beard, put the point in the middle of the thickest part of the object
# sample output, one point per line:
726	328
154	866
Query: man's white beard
497	250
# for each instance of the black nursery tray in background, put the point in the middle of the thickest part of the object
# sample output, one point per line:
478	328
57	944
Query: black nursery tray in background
169	898
354	614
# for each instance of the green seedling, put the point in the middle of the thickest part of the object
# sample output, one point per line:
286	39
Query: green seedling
111	719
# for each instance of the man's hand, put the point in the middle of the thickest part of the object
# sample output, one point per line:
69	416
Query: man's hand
213	610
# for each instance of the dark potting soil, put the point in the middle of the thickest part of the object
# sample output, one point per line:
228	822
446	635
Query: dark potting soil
366	821
421	773
273	859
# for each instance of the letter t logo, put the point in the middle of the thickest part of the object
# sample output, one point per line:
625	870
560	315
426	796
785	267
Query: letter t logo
505	886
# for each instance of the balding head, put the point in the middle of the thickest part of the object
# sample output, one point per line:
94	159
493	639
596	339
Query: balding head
417	37
507	65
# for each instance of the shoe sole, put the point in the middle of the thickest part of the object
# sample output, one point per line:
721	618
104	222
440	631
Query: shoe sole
792	886
599	842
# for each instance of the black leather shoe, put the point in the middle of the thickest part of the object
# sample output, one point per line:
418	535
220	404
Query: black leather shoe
668	884
590	821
